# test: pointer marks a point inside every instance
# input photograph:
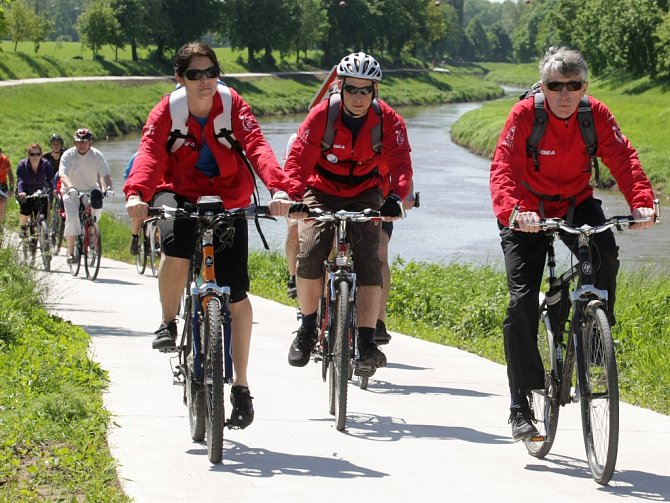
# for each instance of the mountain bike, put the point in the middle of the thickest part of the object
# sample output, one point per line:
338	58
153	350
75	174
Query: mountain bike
57	224
337	342
205	347
37	232
149	248
584	351
89	242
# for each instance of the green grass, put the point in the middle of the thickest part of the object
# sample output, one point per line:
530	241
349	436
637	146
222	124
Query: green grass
53	436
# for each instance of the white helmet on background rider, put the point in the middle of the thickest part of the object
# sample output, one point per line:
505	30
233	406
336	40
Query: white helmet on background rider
360	66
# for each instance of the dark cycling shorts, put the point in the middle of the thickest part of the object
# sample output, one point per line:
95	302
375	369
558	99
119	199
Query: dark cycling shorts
387	227
178	239
31	206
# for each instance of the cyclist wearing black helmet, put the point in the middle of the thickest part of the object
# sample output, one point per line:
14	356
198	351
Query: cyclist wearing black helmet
84	168
57	149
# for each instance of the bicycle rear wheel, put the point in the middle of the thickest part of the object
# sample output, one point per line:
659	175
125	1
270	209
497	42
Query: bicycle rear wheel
545	402
213	349
142	254
154	249
194	392
92	250
600	397
339	364
45	248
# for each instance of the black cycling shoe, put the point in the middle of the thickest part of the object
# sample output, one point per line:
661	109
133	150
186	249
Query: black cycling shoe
166	337
522	421
291	289
370	354
135	245
243	410
302	347
381	335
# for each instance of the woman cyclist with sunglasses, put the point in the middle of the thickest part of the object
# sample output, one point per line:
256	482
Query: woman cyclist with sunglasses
171	174
32	174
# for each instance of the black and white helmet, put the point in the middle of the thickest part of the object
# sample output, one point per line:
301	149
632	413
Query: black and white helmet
360	66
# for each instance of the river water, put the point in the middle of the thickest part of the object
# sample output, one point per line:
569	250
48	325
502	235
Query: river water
455	221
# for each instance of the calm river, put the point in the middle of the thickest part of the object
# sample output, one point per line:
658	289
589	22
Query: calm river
455	221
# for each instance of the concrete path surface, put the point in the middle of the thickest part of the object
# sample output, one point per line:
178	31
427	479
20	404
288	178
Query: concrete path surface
431	427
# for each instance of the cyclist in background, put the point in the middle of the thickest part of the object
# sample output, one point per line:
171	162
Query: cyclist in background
558	187
135	223
349	175
32	174
57	145
202	166
6	175
84	168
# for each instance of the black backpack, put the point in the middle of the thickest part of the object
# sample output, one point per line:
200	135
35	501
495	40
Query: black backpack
334	101
586	126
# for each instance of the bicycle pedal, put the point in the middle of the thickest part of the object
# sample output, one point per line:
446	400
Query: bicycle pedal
176	381
173	349
537	438
364	370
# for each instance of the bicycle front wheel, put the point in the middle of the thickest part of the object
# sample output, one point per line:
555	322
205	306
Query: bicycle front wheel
600	397
92	250
57	228
142	254
339	363
154	249
76	265
45	248
213	348
194	393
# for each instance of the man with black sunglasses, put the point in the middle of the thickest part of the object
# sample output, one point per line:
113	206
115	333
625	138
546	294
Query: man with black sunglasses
352	172
556	183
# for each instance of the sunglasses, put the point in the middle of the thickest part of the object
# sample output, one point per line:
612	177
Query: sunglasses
358	90
35	154
194	74
573	85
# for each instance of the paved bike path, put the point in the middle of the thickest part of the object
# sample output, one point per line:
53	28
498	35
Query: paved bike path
431	427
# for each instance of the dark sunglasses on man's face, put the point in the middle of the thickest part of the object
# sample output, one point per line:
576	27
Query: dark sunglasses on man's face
358	90
35	154
573	85
194	74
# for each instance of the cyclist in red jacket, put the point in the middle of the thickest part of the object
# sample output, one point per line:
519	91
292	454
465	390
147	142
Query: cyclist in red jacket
348	174
557	187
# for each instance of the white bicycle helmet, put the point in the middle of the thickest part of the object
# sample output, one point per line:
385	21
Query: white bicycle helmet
361	66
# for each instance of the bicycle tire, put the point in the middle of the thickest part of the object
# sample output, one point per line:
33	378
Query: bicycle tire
544	403
154	249
141	255
194	392
45	249
213	350
92	250
76	265
57	228
600	397
339	365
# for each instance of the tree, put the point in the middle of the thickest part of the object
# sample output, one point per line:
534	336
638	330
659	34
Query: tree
478	39
97	26
19	21
129	14
663	48
312	26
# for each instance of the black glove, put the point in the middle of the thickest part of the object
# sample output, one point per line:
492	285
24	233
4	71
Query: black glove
392	207
298	208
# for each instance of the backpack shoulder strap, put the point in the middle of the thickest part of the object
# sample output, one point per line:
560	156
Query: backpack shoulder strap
539	125
588	130
179	116
223	126
334	108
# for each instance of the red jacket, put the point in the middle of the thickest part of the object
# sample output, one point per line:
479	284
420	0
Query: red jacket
563	163
345	159
155	168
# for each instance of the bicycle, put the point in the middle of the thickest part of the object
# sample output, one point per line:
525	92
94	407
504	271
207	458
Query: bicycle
588	354
149	249
204	350
37	232
89	242
337	342
57	224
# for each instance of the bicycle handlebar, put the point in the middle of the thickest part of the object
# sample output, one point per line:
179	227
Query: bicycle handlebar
38	194
558	224
320	215
169	213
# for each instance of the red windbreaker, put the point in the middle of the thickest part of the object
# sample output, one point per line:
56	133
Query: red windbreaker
155	168
563	163
347	159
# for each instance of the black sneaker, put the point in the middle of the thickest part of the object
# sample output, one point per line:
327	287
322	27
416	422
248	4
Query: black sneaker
522	421
381	335
135	245
291	289
302	347
370	354
243	410
166	336
71	259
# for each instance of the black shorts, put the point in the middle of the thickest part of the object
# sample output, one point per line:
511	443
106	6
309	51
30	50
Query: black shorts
29	207
178	239
387	227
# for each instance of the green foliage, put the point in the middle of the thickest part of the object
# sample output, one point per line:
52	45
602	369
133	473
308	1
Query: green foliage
98	25
53	426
